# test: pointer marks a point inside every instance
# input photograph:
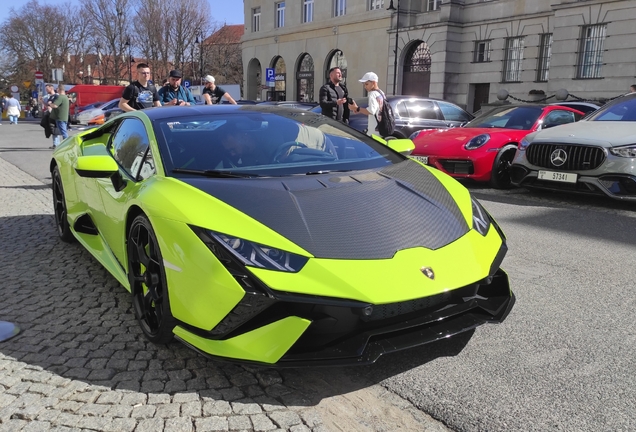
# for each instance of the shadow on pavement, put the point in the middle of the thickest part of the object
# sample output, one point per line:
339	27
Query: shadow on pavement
77	323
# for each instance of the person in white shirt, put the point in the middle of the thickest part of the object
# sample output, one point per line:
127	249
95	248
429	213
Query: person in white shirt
374	106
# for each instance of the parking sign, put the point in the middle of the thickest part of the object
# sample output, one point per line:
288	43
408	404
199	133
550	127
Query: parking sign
269	76
186	84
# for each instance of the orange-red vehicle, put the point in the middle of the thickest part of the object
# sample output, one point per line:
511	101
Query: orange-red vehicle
84	94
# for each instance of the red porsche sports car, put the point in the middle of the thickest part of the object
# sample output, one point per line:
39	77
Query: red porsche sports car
483	149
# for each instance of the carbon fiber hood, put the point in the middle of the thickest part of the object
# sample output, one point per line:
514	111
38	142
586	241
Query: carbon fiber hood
359	215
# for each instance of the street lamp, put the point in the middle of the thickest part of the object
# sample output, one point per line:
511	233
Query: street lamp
397	29
200	44
127	44
97	64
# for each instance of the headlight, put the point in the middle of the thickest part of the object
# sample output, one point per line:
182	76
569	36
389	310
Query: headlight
477	142
414	135
481	219
524	143
628	151
257	255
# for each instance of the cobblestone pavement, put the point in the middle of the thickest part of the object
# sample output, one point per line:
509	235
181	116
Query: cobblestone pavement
82	363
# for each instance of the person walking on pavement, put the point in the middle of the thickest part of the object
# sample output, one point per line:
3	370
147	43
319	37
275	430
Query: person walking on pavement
174	93
375	101
58	103
140	94
3	104
212	93
13	109
333	97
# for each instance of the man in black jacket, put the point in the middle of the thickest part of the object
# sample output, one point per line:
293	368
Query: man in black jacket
333	97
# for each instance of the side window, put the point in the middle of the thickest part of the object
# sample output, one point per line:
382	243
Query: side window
144	167
453	113
558	117
113	104
422	109
129	145
401	110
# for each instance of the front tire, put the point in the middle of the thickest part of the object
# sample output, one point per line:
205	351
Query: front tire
500	174
59	205
148	285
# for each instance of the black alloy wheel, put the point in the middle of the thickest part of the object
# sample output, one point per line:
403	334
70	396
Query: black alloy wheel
59	205
500	174
148	282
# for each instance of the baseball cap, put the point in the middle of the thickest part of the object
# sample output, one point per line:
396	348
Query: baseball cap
175	73
208	78
369	76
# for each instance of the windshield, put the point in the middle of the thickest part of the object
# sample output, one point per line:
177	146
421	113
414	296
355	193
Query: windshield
252	143
621	110
521	117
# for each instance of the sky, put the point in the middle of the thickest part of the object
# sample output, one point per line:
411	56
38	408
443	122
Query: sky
228	11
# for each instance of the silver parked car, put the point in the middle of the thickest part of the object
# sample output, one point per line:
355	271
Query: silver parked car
596	155
85	116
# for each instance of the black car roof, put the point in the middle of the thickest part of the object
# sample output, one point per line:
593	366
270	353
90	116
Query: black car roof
160	113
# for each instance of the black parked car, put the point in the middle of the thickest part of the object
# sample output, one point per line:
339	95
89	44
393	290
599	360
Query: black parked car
414	113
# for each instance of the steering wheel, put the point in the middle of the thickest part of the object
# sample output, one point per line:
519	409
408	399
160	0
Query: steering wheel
284	149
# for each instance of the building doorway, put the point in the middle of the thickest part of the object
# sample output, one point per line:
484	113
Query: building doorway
254	80
481	93
417	70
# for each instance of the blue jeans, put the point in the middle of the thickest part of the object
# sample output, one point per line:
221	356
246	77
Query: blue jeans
13	119
61	125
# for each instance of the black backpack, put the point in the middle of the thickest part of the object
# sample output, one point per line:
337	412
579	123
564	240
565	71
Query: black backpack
386	120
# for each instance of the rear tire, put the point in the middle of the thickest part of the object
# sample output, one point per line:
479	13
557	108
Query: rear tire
59	206
148	284
500	174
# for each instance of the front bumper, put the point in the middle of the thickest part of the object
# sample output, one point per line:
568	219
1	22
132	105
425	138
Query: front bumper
477	169
615	177
297	330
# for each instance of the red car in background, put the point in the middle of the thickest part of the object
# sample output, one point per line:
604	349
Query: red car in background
483	149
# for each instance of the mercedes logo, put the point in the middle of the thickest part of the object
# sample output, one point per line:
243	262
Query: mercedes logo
558	157
428	272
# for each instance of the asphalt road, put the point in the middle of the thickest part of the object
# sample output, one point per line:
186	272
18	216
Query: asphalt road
564	360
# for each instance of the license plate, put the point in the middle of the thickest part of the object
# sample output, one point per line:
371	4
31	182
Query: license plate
557	176
423	159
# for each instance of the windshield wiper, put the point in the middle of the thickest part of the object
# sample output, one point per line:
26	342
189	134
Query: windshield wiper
214	173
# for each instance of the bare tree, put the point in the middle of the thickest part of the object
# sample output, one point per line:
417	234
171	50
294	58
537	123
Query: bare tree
163	33
152	22
223	55
30	42
114	26
190	20
168	30
80	59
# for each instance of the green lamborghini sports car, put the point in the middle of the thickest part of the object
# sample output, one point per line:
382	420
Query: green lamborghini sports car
277	236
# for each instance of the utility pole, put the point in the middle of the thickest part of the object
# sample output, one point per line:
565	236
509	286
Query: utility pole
395	51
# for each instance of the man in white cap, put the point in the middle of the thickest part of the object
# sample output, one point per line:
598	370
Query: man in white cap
212	94
376	99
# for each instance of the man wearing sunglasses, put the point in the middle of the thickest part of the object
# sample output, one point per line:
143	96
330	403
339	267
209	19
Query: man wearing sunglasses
140	94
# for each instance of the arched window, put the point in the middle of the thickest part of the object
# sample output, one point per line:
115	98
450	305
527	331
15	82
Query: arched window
254	80
337	59
417	70
305	79
280	76
418	58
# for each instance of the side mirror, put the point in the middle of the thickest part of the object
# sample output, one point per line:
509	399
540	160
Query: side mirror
96	166
404	146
